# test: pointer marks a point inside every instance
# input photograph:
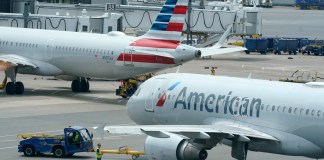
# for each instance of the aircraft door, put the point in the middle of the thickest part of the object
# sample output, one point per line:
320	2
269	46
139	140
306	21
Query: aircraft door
128	57
49	49
149	100
152	96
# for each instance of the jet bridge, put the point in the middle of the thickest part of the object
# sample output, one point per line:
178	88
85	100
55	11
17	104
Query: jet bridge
213	19
208	22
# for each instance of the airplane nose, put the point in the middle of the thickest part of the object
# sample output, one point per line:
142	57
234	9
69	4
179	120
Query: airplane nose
133	110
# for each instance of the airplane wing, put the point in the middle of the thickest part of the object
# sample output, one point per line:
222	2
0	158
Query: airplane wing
217	48
9	60
190	131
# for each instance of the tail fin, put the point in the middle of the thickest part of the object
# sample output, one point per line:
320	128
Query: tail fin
167	26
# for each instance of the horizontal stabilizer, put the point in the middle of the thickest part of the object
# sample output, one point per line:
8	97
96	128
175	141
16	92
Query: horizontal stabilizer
214	51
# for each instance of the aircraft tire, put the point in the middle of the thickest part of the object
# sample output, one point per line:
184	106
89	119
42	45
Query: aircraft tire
75	86
20	88
10	88
85	86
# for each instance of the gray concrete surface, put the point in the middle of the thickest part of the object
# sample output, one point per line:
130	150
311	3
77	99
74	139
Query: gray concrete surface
49	105
289	21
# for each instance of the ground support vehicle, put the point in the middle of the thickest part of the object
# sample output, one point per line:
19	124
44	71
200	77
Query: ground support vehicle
75	139
310	4
256	45
127	88
313	49
124	150
285	45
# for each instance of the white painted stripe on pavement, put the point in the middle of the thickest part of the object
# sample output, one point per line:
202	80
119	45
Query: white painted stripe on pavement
8	147
34	89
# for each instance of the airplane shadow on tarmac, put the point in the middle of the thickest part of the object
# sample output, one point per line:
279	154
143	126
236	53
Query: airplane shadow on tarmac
42	156
65	92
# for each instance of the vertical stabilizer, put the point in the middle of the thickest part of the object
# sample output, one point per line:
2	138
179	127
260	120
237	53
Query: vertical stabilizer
166	30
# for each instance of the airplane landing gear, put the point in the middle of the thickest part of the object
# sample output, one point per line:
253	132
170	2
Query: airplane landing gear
80	85
14	87
240	148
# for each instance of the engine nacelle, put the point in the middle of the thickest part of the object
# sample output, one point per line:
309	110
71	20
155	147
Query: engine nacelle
173	148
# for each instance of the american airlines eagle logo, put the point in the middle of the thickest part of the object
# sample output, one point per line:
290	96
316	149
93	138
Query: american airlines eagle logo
164	96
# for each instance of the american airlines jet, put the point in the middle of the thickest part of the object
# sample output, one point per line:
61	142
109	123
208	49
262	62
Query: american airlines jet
111	56
186	114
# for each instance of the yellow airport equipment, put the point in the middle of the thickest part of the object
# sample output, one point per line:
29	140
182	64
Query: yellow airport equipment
237	43
256	35
27	136
124	150
4	83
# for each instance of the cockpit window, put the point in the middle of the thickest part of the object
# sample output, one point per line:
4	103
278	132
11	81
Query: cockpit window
137	91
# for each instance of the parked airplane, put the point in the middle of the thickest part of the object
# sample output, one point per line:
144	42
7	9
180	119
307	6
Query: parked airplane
112	56
187	114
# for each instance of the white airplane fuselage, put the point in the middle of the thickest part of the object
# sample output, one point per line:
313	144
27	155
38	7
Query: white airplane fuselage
292	113
81	54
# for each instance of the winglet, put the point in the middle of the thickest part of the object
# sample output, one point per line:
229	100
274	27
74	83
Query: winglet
222	40
100	130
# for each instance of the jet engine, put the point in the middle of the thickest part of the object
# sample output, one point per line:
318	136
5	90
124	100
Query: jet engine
173	148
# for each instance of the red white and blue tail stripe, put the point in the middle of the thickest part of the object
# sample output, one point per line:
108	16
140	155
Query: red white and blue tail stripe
166	31
165	34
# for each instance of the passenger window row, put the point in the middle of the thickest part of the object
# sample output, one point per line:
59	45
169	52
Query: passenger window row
18	44
84	50
293	110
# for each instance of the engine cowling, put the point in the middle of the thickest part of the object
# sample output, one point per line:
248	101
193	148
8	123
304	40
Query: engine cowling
173	148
